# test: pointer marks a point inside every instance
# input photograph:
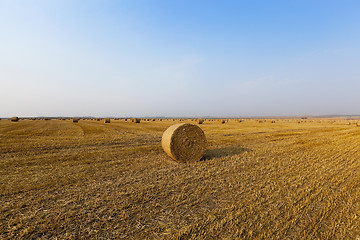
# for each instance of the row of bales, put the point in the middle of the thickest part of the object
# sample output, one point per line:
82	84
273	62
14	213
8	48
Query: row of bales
199	121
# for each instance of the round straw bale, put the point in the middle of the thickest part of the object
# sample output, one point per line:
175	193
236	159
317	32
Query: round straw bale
137	120
222	121
107	120
184	142
14	119
200	121
75	120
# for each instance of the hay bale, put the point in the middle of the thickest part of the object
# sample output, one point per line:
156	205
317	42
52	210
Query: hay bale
107	120
137	120
200	121
14	119
222	121
75	120
98	119
184	142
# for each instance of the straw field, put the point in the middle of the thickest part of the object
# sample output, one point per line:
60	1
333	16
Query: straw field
258	180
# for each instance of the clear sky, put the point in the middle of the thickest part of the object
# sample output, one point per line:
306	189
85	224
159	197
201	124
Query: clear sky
179	58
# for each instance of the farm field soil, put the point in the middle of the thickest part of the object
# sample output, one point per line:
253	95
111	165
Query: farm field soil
283	180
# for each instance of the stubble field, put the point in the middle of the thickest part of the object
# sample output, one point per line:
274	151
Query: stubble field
258	180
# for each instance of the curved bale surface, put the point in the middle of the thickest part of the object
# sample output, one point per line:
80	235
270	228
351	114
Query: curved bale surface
184	142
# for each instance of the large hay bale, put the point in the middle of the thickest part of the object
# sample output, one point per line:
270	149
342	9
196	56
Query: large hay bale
137	120
184	142
14	119
75	120
107	120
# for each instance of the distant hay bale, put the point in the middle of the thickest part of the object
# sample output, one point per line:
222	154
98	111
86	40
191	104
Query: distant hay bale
273	121
107	120
14	119
184	142
47	119
222	121
98	119
76	120
153	119
137	120
200	121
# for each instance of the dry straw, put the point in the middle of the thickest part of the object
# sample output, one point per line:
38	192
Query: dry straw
14	119
184	142
107	120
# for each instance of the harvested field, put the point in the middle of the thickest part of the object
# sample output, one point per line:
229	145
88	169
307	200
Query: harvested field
257	181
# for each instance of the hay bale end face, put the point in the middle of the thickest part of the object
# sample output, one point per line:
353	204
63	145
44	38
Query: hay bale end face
14	119
107	120
184	142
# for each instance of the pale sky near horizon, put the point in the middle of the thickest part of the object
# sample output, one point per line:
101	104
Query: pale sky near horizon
179	58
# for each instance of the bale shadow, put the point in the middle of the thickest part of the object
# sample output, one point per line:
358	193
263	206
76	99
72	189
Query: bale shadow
224	152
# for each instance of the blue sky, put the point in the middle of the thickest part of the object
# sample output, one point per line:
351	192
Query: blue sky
179	58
